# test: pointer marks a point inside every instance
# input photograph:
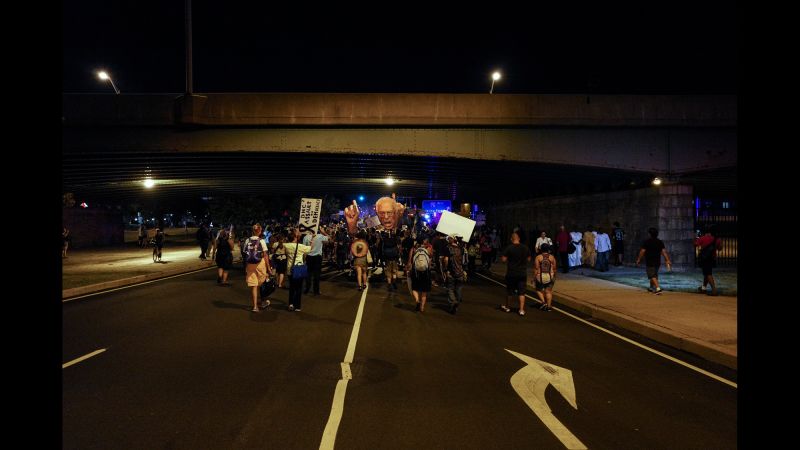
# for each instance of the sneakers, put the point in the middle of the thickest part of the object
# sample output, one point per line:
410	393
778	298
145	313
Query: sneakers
521	312
548	309
416	308
265	304
543	307
291	307
297	310
255	310
658	291
505	308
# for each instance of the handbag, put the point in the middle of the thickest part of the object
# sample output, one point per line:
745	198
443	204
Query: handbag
299	271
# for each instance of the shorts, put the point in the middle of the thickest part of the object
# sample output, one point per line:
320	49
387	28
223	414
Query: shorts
652	271
256	274
420	281
516	285
541	287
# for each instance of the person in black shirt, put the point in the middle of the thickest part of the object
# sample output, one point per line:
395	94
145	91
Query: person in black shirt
617	247
651	250
517	256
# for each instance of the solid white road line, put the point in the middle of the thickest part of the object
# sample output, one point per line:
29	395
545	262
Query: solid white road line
337	408
76	361
651	350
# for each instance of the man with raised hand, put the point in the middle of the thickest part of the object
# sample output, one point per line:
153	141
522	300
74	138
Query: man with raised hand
388	209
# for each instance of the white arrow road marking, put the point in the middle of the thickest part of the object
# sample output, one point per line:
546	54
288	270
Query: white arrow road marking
630	341
530	383
77	360
337	408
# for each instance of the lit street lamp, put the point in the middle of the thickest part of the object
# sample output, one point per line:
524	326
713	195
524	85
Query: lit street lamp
104	76
495	76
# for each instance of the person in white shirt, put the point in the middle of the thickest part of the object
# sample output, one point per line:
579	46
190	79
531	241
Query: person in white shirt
603	244
577	239
295	254
314	258
542	239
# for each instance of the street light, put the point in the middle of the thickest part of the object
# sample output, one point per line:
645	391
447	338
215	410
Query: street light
104	76
495	76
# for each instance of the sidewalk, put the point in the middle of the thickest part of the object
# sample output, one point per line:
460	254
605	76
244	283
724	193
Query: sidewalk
92	270
696	323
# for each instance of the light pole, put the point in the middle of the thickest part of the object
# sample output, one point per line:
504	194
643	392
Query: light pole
495	76
104	76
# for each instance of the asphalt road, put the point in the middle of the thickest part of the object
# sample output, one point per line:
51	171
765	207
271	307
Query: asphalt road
187	366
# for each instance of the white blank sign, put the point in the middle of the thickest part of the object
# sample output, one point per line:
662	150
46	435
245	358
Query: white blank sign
452	224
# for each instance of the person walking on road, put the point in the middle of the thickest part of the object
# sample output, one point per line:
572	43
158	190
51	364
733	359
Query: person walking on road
708	245
652	249
516	256
454	273
544	276
257	264
314	259
158	239
224	256
203	237
295	253
419	267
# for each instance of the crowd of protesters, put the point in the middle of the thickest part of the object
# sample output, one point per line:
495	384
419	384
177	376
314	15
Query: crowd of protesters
407	248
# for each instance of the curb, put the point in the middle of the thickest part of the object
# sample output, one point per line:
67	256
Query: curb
106	285
680	341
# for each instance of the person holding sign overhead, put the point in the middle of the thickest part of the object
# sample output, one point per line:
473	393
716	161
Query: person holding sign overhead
388	209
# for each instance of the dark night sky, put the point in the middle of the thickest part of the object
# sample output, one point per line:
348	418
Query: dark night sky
676	47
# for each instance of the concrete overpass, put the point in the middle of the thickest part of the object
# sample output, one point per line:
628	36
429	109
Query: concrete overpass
656	134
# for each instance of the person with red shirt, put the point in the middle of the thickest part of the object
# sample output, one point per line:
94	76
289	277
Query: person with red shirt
562	240
708	245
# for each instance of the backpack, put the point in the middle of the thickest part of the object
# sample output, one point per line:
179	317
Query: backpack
571	247
544	269
421	259
252	251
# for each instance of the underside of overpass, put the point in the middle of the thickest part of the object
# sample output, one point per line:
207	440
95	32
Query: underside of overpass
473	148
